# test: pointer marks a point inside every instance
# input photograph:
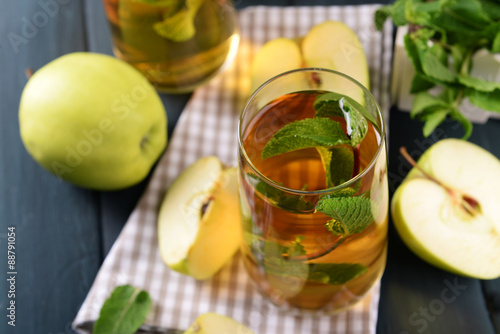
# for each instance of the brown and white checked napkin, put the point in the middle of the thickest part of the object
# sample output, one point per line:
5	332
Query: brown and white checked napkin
208	126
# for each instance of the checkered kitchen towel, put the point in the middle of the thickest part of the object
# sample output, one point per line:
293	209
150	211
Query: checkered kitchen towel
208	126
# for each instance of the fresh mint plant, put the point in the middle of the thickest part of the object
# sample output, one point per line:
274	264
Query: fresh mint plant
124	311
443	37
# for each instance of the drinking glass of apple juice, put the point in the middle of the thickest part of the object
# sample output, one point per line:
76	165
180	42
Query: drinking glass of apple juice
177	44
313	190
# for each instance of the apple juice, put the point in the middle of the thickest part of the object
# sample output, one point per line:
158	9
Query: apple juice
288	252
173	62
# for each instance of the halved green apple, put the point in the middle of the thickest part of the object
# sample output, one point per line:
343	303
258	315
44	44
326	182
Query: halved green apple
199	227
333	45
330	44
453	223
213	323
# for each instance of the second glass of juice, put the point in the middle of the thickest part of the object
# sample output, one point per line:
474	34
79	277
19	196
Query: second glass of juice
177	44
315	214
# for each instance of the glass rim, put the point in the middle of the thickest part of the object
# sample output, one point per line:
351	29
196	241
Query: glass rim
299	192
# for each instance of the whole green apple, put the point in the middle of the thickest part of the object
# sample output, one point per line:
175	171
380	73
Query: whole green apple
93	120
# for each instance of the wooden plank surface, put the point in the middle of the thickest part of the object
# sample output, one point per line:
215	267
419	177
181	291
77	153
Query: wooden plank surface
63	232
57	225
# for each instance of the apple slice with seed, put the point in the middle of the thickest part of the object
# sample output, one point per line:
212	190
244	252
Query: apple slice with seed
199	228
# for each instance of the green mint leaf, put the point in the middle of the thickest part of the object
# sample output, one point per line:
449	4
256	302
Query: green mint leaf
396	11
485	100
424	101
495	48
354	213
432	66
440	52
462	16
478	84
179	27
464	121
357	127
431	109
416	45
279	198
458	54
341	164
412	52
336	227
326	159
325	273
335	273
420	12
124	311
381	16
275	260
338	163
492	9
337	105
328	105
421	83
296	248
433	119
305	133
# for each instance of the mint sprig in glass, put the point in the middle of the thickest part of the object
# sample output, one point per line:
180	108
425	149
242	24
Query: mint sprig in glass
314	195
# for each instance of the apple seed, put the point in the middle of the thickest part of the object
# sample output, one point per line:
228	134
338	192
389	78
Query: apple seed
464	201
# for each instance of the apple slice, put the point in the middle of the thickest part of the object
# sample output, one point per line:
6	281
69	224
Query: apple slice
199	227
333	45
213	323
450	216
276	56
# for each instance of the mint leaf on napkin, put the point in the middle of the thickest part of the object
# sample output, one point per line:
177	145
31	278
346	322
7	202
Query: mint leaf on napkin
124	311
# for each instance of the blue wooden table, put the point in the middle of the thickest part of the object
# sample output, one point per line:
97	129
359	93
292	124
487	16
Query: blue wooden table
63	233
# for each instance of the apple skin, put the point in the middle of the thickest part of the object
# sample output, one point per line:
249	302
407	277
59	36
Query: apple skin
435	228
213	323
194	243
93	120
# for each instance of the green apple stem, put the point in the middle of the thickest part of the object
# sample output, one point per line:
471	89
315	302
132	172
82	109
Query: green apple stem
466	202
28	72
